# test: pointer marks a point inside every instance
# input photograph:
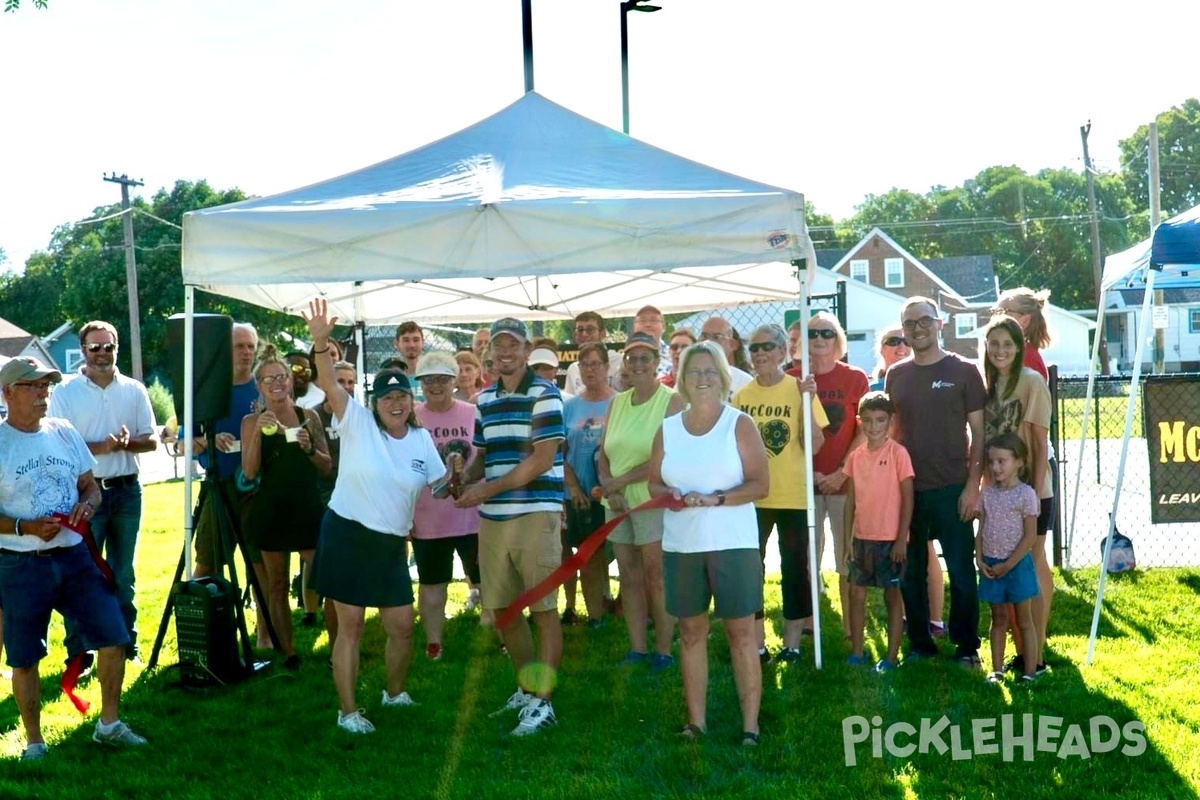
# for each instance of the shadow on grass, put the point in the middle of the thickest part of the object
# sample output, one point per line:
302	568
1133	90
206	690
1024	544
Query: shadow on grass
1073	609
1192	581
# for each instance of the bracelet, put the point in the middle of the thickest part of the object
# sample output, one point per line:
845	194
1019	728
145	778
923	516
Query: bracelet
17	527
322	350
720	495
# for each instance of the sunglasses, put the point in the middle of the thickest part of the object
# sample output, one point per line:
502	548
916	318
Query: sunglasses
107	347
894	341
300	369
269	379
762	347
822	333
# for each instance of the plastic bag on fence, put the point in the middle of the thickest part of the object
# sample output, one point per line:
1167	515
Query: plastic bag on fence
1120	558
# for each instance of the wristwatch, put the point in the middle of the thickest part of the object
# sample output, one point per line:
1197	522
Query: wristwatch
720	495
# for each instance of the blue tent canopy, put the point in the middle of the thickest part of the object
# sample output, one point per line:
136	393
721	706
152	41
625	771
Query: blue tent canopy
1174	249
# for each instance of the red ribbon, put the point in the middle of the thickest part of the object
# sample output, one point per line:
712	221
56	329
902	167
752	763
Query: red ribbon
70	678
573	564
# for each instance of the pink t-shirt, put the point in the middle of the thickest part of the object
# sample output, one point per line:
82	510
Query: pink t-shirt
877	475
452	432
1004	513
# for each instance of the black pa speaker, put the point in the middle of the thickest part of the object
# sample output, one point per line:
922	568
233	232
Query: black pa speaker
206	633
213	361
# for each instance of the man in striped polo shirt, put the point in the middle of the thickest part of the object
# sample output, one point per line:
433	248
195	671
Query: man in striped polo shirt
519	430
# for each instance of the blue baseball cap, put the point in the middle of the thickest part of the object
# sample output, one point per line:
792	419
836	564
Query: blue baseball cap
511	326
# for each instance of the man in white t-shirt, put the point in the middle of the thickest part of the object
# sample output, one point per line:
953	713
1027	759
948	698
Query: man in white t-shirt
589	327
46	489
717	329
112	412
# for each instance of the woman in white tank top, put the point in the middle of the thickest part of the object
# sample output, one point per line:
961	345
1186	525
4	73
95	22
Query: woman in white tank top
711	456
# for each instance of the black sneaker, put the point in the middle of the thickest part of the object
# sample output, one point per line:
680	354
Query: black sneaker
788	655
764	656
569	617
1015	664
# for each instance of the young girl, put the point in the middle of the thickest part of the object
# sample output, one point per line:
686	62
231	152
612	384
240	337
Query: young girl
1019	402
1008	511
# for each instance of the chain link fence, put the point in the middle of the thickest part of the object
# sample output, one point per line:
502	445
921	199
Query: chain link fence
1084	519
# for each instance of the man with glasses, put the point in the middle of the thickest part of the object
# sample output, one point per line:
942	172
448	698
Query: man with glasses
716	329
112	412
939	400
650	320
46	490
307	393
589	327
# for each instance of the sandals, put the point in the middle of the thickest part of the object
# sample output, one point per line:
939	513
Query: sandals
995	677
691	732
749	739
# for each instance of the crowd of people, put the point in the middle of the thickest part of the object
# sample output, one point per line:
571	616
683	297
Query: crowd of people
480	455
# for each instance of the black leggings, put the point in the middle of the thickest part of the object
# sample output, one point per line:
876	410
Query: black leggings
792	527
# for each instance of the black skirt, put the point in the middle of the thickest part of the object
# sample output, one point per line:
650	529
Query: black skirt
361	567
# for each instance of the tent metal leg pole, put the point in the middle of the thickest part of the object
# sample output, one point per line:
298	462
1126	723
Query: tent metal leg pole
189	419
814	568
1087	407
1143	329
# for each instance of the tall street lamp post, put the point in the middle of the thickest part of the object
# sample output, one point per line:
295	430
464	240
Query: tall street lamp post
626	7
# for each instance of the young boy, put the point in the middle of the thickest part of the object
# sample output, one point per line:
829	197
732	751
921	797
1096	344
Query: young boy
879	505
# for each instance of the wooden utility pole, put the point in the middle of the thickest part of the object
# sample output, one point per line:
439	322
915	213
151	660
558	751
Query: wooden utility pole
135	328
1084	130
1160	347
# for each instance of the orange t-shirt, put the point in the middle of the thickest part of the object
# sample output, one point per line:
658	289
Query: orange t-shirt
877	475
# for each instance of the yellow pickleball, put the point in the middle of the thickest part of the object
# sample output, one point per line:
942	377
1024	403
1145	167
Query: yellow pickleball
537	678
270	430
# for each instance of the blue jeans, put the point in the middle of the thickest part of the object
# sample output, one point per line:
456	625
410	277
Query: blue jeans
935	516
115	527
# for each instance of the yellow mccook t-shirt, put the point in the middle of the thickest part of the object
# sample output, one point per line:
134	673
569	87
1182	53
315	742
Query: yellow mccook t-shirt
776	412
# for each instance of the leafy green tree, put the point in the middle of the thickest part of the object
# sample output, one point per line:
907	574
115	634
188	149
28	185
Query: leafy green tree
13	5
82	276
1178	159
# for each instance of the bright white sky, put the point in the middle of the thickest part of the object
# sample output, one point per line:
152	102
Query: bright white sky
836	100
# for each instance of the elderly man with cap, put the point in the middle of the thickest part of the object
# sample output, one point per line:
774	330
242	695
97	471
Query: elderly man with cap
113	415
387	459
519	430
47	489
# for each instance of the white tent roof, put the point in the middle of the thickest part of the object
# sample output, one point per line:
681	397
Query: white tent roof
534	212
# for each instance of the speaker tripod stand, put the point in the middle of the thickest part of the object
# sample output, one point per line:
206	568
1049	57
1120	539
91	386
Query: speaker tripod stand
211	615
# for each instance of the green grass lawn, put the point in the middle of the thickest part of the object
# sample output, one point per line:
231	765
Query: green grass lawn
274	736
1111	416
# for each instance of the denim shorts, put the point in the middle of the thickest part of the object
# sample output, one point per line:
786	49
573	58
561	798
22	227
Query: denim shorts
67	581
1017	586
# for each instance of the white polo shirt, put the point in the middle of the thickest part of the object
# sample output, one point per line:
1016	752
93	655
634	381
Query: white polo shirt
97	411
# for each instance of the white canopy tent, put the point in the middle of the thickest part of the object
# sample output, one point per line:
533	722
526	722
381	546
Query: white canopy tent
534	212
1169	258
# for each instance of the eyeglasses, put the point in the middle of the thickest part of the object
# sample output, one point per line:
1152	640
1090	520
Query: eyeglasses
591	364
675	348
822	333
37	386
96	347
436	380
300	369
629	359
761	347
924	323
269	379
894	341
587	329
714	337
697	374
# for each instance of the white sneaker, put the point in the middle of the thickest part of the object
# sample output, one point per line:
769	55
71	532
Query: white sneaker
472	600
119	735
534	717
401	699
517	702
355	722
34	752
